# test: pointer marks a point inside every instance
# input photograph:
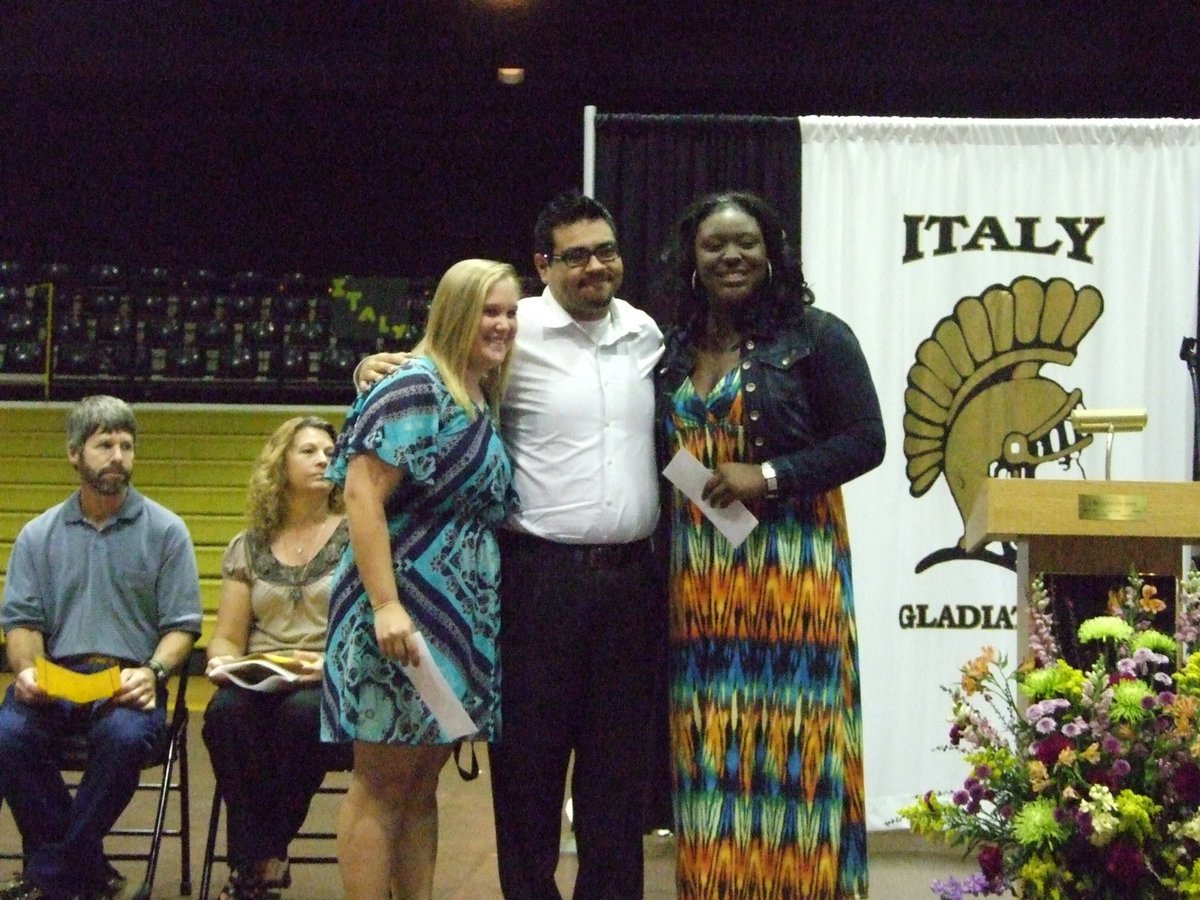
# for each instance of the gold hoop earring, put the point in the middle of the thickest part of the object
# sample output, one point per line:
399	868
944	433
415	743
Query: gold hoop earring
770	272
694	291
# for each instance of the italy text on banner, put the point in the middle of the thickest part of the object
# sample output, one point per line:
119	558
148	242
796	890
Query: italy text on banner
1035	265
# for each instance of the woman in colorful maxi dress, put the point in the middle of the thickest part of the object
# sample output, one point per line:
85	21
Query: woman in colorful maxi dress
426	482
774	396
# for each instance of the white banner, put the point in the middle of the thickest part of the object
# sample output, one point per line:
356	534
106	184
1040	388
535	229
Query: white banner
996	272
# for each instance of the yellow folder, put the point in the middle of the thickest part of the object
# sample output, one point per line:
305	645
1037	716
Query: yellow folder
74	686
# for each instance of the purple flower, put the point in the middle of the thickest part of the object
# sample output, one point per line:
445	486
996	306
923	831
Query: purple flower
950	889
1105	778
975	885
1186	782
1084	822
1120	768
1125	864
1046	725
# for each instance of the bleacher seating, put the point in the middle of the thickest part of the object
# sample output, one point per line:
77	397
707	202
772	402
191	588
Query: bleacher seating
195	460
196	337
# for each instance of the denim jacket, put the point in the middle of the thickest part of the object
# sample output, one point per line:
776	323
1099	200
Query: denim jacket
810	405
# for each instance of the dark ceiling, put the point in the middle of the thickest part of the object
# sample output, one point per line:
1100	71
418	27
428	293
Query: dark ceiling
374	138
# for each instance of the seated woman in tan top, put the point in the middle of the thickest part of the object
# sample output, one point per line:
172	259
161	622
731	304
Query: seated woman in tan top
265	745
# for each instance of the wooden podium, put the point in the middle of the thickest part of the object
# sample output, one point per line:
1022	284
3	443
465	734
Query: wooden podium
1085	527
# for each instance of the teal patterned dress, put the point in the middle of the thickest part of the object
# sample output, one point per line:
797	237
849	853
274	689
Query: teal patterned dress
456	488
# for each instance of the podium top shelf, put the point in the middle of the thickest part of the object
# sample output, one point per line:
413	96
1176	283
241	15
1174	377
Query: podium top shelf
1014	509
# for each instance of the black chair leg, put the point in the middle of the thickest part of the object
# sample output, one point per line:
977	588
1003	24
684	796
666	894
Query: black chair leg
210	845
185	823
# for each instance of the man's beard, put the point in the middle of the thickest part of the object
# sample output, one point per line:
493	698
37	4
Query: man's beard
100	480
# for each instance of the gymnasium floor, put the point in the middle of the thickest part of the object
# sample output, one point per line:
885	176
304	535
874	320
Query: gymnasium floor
901	867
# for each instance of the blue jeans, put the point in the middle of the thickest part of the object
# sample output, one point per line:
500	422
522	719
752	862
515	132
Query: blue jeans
63	835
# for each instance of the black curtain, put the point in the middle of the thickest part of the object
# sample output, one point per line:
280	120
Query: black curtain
648	168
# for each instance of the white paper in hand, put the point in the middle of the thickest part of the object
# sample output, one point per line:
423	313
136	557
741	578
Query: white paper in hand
433	688
689	475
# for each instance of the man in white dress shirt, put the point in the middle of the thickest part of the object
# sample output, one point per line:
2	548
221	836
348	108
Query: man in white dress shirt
578	582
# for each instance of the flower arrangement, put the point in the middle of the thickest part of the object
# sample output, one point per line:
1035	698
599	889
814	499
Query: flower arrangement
1084	783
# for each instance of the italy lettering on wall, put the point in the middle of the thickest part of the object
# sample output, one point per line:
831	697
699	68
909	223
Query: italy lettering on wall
388	311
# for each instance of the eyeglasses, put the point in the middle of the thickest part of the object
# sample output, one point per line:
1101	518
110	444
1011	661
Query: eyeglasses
576	257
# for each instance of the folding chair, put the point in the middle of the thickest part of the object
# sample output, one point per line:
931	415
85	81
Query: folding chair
210	847
171	756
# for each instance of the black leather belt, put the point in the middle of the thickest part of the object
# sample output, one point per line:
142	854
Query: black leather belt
589	556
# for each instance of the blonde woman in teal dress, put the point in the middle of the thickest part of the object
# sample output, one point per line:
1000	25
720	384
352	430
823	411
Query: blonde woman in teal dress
426	481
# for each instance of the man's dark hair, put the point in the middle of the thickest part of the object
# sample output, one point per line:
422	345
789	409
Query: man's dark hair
566	209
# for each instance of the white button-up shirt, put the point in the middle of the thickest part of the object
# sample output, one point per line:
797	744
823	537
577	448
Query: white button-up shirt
578	421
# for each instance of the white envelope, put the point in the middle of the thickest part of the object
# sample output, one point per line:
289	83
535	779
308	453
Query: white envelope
689	475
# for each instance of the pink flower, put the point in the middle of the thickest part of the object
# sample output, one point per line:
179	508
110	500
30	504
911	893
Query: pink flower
1048	749
1186	783
991	861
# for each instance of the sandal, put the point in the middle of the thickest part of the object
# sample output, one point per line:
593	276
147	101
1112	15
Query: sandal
243	887
274	872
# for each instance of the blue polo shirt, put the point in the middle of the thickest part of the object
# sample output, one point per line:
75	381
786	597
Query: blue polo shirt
114	590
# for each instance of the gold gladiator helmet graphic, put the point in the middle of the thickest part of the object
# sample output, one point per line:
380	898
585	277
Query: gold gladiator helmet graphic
976	404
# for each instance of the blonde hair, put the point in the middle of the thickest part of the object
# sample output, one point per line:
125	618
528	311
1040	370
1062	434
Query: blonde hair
452	328
265	506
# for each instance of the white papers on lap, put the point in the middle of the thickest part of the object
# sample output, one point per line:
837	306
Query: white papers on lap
435	691
689	475
262	671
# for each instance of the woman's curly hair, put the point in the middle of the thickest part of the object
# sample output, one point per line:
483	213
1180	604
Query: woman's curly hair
781	299
265	506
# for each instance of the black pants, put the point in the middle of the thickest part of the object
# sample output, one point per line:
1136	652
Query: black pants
269	761
574	677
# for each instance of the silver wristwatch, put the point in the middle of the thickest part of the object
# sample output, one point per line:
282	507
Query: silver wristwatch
772	480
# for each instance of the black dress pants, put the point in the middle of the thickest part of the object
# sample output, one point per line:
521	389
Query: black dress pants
574	677
269	761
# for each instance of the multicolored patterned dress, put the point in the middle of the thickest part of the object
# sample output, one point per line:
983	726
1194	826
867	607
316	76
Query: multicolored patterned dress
766	723
456	488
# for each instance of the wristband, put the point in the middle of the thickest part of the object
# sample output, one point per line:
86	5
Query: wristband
768	473
160	671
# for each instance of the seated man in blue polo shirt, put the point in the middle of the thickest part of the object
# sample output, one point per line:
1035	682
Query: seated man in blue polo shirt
107	577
